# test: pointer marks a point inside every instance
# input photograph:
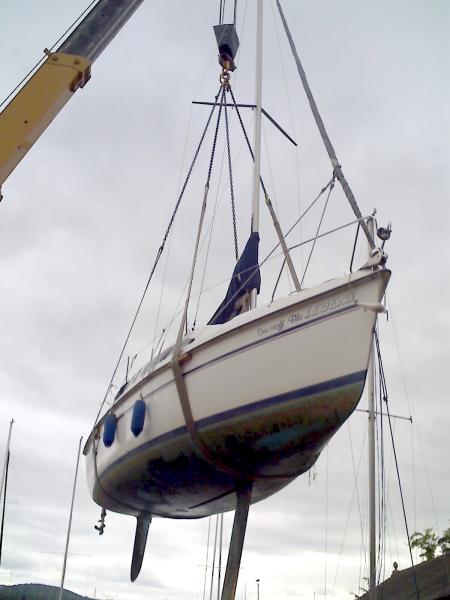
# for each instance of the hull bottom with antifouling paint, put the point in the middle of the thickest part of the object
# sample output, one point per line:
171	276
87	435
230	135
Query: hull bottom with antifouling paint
272	446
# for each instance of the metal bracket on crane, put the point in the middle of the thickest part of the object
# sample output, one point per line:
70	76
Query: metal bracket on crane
37	103
228	44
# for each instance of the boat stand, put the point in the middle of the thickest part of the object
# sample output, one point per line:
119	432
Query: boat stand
243	494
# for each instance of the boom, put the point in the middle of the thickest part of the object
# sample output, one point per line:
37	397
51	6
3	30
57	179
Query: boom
34	107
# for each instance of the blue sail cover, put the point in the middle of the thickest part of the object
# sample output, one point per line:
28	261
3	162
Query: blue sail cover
246	277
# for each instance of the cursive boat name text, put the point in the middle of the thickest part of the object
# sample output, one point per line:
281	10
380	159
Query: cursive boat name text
310	312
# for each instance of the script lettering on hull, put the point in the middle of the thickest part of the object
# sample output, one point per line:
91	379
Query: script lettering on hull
309	312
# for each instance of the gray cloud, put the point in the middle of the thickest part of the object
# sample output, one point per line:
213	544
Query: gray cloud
84	214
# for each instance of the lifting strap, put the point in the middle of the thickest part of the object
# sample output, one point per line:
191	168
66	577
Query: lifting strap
177	357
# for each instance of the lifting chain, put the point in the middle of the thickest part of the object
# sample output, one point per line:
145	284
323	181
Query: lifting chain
101	523
230	172
225	78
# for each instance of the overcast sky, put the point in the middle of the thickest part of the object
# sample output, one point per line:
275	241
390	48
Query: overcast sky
83	216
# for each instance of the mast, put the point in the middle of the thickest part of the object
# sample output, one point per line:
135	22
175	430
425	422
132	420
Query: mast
8	443
63	574
372	468
257	136
4	483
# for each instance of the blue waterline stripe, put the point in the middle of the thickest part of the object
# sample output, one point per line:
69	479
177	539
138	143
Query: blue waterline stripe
281	398
325	386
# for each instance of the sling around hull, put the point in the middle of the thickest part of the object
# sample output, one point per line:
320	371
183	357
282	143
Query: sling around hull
267	391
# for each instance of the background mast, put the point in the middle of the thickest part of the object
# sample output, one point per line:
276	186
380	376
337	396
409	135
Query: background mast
257	137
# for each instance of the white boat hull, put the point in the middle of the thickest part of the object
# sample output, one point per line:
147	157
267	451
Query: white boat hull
267	391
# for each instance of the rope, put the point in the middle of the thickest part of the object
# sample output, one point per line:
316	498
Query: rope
230	173
383	386
158	255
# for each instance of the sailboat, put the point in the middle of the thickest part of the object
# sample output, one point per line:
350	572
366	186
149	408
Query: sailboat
235	410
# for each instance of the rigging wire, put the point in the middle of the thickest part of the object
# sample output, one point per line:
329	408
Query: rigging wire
270	256
292	124
276	210
384	391
358	501
244	131
381	484
316	237
383	518
414	480
251	270
354	493
283	264
393	526
159	252
317	232
412	411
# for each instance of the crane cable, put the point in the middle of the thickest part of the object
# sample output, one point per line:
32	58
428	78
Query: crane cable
222	4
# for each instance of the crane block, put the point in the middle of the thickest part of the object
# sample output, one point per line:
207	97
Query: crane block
34	107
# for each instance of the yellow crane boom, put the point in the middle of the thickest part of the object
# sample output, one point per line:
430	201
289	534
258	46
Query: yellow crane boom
37	103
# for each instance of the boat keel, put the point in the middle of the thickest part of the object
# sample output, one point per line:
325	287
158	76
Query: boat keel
140	541
243	499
